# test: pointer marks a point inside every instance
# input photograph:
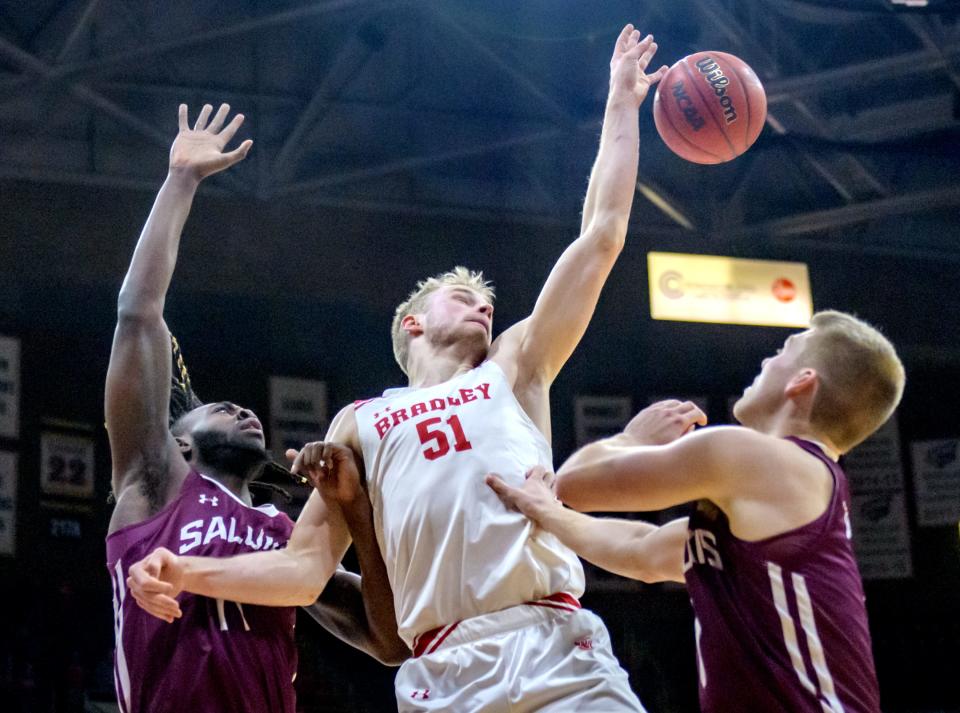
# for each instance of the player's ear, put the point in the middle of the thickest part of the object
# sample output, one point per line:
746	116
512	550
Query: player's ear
412	325
803	384
185	446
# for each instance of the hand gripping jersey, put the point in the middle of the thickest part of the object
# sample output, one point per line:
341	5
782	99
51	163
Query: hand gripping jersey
781	623
452	549
220	655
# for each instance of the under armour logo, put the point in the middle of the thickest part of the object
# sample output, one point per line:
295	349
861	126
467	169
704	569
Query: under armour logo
420	694
585	644
204	500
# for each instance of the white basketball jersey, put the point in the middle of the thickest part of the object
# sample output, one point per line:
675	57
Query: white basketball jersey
452	549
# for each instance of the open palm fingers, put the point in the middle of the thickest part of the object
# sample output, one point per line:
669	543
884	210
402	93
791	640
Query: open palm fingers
202	118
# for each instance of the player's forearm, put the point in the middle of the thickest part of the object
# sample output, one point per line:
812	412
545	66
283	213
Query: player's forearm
613	179
380	615
151	269
274	578
608	543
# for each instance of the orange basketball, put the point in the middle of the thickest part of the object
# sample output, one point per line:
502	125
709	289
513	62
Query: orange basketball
710	107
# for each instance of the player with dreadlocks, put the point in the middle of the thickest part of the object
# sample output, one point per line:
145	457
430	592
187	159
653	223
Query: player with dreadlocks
181	475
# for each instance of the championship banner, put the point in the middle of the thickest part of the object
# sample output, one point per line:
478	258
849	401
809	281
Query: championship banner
726	290
66	465
936	481
597	417
881	534
9	387
8	503
298	413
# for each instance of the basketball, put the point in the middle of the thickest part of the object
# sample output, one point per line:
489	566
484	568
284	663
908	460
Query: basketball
710	107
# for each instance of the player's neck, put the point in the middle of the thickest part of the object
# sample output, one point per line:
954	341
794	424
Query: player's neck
783	425
434	366
236	480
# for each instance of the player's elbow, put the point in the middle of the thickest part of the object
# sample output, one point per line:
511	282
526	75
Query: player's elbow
134	309
311	576
608	232
304	596
390	653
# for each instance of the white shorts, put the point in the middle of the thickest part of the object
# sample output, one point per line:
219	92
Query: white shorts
548	656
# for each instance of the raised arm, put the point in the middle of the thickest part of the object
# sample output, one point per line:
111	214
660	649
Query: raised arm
630	548
138	379
570	294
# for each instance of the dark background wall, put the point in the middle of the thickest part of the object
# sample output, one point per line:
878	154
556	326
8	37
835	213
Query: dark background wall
278	288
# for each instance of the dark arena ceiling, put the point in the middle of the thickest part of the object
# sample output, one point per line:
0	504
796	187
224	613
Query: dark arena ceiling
491	109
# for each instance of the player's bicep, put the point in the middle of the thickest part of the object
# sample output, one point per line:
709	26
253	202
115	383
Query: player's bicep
643	478
136	398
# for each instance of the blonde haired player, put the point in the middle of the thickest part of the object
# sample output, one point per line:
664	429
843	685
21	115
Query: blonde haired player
766	554
487	604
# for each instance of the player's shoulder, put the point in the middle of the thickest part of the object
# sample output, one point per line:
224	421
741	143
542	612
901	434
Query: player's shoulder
343	428
749	461
509	339
730	439
745	449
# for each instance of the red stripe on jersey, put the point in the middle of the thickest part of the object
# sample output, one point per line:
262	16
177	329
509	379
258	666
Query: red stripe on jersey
560	600
435	636
363	402
429	641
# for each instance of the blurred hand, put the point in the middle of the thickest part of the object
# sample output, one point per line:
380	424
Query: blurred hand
199	151
664	422
155	581
330	468
536	498
628	66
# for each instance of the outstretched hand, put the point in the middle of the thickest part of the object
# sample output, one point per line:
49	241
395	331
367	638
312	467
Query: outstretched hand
628	66
536	498
200	151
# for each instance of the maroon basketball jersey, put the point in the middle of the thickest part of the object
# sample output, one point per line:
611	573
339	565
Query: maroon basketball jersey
220	655
781	623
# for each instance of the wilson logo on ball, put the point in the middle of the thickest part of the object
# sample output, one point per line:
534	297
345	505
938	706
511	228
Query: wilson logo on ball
718	81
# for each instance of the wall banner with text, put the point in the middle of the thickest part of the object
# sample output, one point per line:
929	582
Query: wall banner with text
298	413
9	387
881	534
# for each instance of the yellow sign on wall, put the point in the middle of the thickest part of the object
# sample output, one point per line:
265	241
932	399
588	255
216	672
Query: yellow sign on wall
726	290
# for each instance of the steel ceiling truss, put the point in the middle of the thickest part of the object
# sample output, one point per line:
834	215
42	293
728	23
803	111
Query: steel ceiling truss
89	81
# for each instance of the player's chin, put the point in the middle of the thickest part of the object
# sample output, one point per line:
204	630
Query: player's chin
252	437
742	408
477	337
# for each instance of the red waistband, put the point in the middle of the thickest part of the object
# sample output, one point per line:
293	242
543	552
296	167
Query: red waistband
429	641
